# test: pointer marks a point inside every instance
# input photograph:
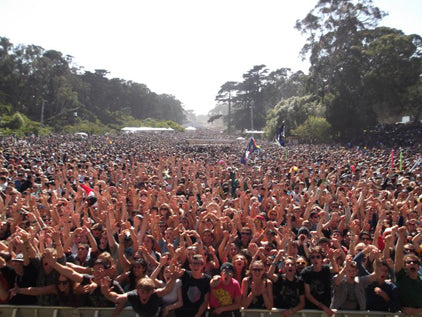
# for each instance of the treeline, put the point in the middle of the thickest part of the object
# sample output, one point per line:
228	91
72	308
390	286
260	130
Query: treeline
45	85
361	75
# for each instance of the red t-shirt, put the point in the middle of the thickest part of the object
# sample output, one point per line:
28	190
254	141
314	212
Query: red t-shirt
224	294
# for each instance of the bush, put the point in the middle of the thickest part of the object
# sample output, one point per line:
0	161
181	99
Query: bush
313	130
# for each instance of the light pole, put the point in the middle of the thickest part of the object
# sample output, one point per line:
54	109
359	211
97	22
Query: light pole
230	113
252	117
42	112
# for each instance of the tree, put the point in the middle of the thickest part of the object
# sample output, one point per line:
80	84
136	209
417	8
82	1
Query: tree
361	73
293	111
393	64
331	27
39	83
224	96
313	130
249	106
414	104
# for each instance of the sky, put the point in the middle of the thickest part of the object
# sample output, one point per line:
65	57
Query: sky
184	48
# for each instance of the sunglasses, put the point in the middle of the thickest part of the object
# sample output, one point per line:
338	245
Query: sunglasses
197	263
62	282
366	239
408	250
412	262
245	234
315	257
257	270
300	263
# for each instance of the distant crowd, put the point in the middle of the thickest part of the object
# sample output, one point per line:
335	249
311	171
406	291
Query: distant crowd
171	228
394	135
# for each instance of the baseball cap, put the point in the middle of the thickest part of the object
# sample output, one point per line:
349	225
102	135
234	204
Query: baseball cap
18	257
227	267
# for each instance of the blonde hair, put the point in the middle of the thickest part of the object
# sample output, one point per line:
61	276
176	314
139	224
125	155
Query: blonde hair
146	284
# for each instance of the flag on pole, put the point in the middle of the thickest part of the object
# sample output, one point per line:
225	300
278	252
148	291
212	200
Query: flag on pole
252	146
401	160
280	135
417	163
392	159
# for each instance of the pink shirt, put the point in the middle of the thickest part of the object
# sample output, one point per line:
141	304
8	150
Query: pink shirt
223	295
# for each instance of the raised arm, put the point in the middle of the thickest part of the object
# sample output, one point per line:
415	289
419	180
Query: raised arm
34	291
119	299
398	261
63	269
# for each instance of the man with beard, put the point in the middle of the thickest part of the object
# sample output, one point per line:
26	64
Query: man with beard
409	282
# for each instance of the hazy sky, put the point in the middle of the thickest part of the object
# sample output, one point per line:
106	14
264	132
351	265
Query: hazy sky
186	48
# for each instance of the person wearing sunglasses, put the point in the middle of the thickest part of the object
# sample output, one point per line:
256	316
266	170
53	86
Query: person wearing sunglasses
195	288
68	292
317	278
409	281
301	263
257	290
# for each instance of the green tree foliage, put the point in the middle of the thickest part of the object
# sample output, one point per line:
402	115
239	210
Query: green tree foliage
293	111
393	65
413	106
225	98
260	90
362	73
250	107
18	123
37	82
313	130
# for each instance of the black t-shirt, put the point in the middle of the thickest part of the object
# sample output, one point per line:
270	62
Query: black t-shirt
194	290
149	309
375	302
96	298
320	285
29	278
287	293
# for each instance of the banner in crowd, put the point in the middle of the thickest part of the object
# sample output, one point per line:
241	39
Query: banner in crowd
252	146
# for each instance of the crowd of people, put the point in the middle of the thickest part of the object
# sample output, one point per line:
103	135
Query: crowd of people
172	229
392	135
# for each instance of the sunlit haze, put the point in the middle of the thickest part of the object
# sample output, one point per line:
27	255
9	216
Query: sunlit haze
185	48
